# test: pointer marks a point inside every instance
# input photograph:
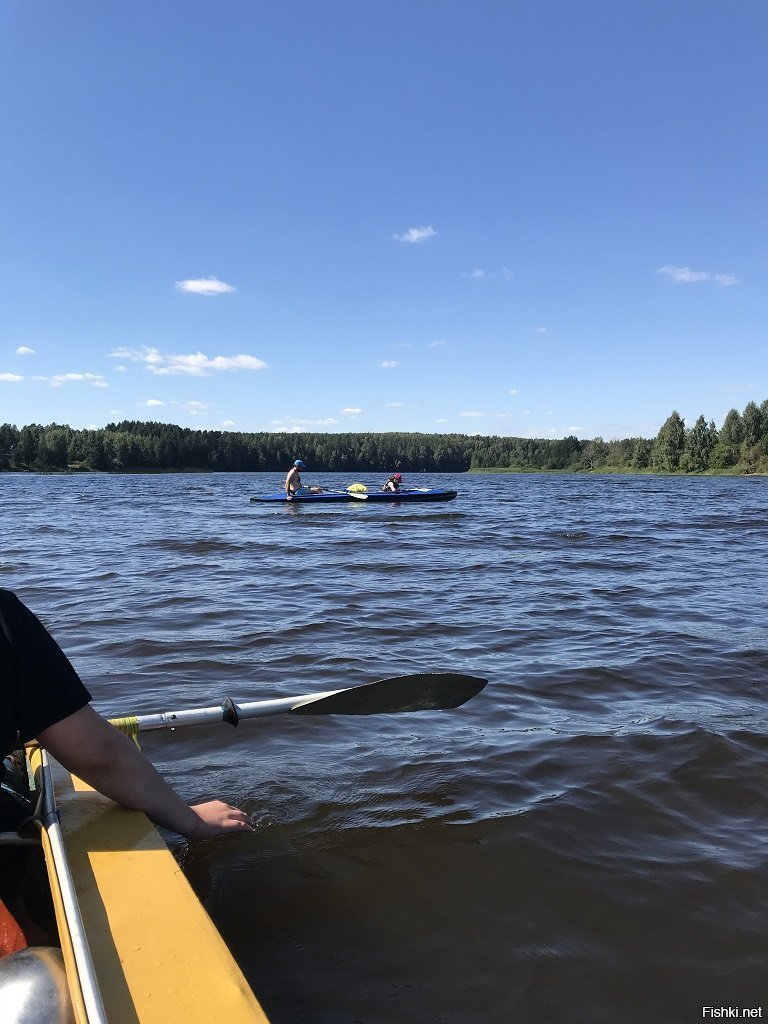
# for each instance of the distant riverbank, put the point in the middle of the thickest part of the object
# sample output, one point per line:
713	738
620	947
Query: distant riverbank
472	471
739	447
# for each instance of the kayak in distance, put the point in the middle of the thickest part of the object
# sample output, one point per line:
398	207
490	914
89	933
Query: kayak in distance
405	494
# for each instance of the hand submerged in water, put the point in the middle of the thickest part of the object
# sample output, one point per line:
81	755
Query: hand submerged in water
216	818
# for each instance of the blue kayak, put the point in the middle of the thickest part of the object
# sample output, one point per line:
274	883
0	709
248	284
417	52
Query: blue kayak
363	497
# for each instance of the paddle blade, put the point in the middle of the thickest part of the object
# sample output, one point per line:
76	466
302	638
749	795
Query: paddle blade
431	691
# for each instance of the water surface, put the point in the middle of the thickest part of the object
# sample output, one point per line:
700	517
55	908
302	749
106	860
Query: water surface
584	842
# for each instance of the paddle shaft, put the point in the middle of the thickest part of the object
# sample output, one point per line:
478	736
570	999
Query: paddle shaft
434	691
227	711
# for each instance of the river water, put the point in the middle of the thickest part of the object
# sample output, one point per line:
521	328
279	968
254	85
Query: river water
584	842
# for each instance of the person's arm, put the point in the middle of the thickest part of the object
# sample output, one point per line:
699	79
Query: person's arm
89	747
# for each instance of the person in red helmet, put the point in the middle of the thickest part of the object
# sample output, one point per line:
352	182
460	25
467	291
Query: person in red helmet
393	483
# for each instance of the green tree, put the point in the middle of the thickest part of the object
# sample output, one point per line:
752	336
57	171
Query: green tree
642	453
699	442
732	430
9	436
594	454
669	444
754	428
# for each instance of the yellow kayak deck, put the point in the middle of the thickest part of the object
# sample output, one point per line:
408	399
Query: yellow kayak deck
157	955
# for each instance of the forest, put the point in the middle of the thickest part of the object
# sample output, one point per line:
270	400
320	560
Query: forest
739	446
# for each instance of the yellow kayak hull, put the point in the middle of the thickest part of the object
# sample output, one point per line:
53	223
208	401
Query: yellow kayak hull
157	955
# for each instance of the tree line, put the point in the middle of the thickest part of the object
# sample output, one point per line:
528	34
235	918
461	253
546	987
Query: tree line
740	445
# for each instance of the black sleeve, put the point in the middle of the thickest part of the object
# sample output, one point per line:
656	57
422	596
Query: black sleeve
38	686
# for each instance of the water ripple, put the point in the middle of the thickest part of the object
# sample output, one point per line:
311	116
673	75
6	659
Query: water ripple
588	828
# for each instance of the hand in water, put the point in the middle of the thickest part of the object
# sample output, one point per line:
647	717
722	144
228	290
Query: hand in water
216	818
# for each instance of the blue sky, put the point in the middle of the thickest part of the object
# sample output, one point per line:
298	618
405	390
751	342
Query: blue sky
516	218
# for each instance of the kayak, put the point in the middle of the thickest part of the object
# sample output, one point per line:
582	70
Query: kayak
136	943
363	497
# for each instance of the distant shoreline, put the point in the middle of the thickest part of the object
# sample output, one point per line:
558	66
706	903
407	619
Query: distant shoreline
739	447
490	470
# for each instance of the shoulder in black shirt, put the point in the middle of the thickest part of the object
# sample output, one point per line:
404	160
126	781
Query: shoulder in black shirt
38	685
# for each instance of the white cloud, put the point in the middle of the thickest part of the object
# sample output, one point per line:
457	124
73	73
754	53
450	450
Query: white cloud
228	423
204	286
350	411
416	235
512	391
478	274
296	426
193	408
394	405
10	378
684	275
436	344
94	379
194	365
472	413
25	350
389	364
443	419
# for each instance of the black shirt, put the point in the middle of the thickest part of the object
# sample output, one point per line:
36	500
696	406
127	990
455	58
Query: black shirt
38	686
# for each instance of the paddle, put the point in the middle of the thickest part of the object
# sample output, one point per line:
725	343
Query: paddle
428	691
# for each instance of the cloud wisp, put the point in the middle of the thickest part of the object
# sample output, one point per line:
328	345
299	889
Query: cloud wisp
478	274
389	364
195	364
685	275
416	235
193	408
11	378
291	425
96	380
25	350
204	286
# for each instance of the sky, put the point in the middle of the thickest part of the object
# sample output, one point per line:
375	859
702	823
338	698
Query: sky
518	218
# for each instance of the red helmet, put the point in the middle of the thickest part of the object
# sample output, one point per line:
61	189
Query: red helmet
397	476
